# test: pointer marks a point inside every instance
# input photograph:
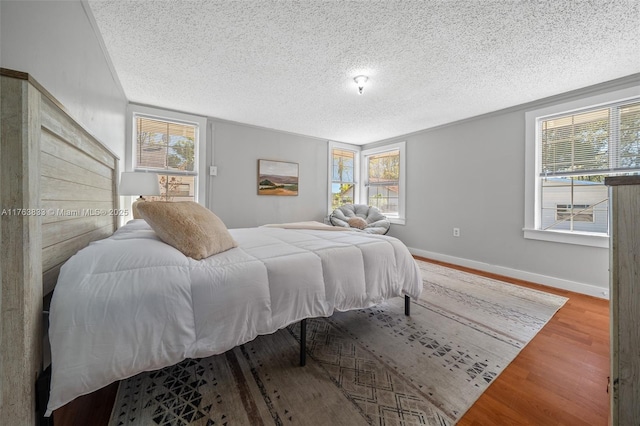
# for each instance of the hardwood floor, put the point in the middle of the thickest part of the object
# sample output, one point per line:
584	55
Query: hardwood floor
93	409
559	378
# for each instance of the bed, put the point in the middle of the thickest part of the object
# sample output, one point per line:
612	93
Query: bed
59	168
131	303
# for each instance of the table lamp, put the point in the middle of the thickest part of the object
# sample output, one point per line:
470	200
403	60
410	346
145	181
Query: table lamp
138	183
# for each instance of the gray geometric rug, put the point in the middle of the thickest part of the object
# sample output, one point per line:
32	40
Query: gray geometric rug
368	367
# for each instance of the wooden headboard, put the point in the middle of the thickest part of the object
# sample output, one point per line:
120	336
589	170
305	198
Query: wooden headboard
57	194
76	180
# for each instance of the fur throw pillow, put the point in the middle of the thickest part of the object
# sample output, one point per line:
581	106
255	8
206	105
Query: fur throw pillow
357	222
188	226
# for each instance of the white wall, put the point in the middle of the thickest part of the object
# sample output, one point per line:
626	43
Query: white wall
470	175
55	43
233	192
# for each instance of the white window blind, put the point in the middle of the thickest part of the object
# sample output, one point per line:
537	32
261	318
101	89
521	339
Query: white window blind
597	141
165	146
578	150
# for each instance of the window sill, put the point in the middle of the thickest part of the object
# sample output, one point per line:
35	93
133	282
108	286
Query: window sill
396	220
578	238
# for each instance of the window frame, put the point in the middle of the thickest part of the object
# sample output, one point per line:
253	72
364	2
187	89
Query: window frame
532	220
200	148
360	176
400	219
356	171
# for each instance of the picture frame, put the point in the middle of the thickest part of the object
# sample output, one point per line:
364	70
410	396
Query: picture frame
278	178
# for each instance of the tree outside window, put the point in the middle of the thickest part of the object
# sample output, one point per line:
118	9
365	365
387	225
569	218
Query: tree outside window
342	180
168	148
383	181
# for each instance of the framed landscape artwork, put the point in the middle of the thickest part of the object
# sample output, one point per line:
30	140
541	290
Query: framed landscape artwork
277	178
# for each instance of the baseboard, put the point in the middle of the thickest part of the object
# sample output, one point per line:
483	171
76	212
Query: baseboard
588	289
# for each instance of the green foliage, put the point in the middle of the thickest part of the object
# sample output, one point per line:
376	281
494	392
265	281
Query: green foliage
342	197
384	167
182	155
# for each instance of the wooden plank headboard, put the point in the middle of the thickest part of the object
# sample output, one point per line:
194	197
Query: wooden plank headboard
57	194
78	178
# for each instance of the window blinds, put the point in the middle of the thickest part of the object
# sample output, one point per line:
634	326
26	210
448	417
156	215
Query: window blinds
165	145
603	140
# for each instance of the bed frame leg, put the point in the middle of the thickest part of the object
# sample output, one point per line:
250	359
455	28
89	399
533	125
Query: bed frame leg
407	305
303	342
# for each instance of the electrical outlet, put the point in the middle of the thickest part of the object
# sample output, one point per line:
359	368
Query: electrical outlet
456	232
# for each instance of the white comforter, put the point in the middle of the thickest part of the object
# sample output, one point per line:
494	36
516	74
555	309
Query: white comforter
131	303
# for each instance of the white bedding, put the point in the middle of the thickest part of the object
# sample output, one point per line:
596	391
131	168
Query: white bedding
131	303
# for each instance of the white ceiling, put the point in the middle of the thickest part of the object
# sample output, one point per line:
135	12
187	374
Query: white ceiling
289	65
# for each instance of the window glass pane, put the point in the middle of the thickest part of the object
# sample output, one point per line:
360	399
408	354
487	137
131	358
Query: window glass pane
181	156
384	197
175	188
384	167
343	163
343	171
383	181
341	194
163	145
580	212
342	174
577	203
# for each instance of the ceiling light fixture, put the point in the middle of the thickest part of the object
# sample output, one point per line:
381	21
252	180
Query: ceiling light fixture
361	80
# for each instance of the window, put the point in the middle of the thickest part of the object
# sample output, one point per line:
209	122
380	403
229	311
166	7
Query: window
172	145
381	178
164	145
383	181
575	151
167	148
343	170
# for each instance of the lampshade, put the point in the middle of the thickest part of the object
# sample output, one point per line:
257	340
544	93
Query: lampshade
135	183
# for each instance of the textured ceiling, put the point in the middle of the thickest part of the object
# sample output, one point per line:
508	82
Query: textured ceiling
289	65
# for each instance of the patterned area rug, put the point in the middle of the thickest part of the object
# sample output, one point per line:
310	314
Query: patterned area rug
368	367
